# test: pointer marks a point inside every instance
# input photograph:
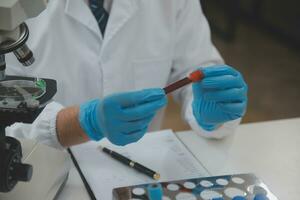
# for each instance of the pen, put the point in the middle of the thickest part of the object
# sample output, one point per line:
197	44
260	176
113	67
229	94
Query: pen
131	163
193	77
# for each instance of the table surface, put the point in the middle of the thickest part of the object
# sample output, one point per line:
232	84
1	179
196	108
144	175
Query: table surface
270	150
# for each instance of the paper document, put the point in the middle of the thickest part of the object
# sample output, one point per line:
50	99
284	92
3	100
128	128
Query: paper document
160	151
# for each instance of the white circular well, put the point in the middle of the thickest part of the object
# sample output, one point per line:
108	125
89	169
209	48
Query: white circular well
222	181
189	185
233	192
237	180
185	196
210	194
138	191
206	183
173	187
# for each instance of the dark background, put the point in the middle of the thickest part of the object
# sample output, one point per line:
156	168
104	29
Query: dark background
261	38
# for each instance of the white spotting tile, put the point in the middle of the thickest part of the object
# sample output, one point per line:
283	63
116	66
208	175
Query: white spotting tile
233	192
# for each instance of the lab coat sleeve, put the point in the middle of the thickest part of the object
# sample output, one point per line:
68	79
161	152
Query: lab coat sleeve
43	129
193	49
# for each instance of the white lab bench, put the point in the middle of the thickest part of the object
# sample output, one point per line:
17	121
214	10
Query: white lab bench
271	150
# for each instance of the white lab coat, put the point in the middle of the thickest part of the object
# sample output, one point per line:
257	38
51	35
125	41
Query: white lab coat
147	44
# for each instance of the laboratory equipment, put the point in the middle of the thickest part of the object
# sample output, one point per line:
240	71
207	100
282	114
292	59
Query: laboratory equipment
227	187
21	100
14	32
193	77
155	191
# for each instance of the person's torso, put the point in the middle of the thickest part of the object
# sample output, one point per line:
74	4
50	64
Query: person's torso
136	52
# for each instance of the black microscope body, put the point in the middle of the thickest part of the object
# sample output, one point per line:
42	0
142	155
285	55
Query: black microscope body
12	169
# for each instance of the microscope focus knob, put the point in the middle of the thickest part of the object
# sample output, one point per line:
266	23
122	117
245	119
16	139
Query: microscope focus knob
22	172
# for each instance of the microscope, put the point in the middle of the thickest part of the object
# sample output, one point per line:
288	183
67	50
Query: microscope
28	170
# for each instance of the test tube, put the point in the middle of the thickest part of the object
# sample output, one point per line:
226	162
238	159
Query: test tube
155	191
193	77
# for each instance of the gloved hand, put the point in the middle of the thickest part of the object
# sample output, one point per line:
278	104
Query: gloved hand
121	118
220	97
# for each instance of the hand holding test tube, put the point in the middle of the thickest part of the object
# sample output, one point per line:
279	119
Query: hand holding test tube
219	95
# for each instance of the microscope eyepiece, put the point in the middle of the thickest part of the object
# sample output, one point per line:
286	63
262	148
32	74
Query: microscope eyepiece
19	47
24	55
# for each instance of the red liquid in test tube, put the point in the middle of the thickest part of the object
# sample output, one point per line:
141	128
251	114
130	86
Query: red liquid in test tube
193	77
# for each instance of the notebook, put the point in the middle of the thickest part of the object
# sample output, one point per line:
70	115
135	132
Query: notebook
160	151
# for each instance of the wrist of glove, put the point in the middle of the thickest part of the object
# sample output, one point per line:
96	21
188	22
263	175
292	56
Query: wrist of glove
220	97
121	118
88	119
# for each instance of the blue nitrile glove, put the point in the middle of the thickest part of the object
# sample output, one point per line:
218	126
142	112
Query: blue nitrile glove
121	118
220	97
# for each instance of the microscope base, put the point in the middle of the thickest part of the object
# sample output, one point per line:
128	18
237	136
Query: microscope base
50	171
